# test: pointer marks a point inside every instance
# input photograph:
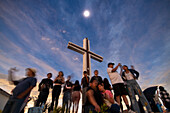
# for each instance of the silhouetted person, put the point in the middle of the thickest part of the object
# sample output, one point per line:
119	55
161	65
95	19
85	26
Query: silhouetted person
67	95
97	77
85	84
59	80
44	87
76	96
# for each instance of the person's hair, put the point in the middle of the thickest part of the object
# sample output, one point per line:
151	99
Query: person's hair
132	65
85	72
69	76
92	79
61	72
49	74
96	70
105	81
125	66
110	64
76	82
101	83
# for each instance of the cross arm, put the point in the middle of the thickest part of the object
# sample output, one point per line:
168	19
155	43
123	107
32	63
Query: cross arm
76	48
96	57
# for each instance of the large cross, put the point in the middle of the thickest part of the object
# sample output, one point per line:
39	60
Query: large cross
87	54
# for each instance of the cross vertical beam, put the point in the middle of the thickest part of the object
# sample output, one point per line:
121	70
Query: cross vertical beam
86	57
87	54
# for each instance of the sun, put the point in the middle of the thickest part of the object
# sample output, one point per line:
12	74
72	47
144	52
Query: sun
86	13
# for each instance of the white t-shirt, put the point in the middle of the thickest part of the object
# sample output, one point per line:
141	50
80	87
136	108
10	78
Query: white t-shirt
129	76
114	76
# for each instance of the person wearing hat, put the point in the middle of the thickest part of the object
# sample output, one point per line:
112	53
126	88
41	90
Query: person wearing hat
21	92
118	84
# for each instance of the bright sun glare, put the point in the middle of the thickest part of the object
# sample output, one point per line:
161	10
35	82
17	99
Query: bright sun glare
86	13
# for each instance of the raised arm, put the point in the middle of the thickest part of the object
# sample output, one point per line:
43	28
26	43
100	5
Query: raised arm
10	77
114	69
121	70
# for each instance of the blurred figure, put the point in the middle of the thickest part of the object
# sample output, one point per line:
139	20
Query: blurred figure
44	87
130	75
76	96
59	80
107	85
118	84
108	100
97	77
67	95
85	84
21	91
11	72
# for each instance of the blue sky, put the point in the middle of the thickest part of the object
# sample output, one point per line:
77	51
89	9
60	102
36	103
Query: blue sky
35	33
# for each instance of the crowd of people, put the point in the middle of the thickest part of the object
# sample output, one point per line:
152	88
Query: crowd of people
96	92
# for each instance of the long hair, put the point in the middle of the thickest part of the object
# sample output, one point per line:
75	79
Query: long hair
61	72
106	81
77	82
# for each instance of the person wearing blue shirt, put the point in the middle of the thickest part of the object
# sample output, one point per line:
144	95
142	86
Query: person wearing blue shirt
21	92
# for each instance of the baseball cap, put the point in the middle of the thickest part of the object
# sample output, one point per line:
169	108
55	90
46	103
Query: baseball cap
110	63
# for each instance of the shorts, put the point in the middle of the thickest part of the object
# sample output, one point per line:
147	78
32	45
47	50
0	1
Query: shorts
119	89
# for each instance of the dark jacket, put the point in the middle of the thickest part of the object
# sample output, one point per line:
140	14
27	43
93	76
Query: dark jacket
134	73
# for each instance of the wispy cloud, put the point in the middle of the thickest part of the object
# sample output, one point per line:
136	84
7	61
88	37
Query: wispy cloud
44	67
